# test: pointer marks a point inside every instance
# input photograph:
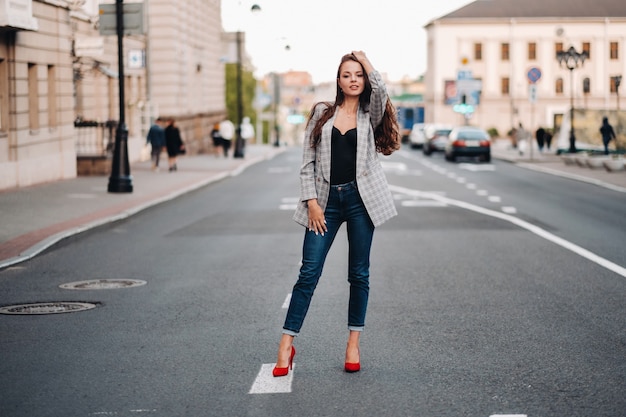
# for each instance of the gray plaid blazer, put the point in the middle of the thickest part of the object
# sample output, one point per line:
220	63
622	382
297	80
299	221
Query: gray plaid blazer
370	178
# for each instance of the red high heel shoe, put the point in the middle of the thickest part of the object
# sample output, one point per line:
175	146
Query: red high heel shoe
284	371
352	367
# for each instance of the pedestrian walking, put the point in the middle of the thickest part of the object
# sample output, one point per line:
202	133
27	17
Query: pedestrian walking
217	139
174	144
227	132
608	134
341	180
540	136
156	139
548	138
247	130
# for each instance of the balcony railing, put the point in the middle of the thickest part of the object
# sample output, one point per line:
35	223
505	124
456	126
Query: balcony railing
94	138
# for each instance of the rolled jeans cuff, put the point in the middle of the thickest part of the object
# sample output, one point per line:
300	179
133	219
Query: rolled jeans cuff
356	328
290	332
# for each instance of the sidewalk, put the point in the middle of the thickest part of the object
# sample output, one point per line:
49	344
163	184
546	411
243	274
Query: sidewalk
34	218
551	163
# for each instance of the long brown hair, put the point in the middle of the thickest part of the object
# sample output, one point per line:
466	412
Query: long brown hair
386	134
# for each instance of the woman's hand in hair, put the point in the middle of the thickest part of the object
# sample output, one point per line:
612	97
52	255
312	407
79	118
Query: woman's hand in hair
362	58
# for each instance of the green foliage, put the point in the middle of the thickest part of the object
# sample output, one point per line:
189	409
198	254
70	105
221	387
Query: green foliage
248	84
493	132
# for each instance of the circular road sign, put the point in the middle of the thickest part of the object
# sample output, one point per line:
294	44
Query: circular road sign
534	74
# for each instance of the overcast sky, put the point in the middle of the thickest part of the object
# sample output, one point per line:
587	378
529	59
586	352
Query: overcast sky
319	32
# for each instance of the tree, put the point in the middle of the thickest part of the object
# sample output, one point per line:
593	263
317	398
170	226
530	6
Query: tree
248	89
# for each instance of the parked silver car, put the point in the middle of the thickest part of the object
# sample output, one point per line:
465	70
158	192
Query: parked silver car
436	138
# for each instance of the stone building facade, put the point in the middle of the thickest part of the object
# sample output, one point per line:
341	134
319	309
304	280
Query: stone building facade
59	83
499	42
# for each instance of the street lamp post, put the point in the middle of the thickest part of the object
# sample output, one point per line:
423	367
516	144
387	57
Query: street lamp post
239	141
239	145
120	180
572	59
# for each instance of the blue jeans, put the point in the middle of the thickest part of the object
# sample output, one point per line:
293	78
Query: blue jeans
344	205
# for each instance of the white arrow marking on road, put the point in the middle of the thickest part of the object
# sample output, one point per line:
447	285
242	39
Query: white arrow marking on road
521	223
266	383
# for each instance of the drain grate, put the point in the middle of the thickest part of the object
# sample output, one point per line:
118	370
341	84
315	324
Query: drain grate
103	284
46	308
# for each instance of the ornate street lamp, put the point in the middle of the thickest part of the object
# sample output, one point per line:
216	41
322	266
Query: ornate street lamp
239	141
571	59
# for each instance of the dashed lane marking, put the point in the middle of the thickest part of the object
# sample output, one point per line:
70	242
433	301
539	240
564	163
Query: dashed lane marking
494	198
580	251
266	383
509	209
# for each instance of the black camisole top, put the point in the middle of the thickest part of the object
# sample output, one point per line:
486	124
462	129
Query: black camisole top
343	156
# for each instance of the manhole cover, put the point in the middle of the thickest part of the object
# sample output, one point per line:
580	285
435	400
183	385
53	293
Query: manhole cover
103	284
47	308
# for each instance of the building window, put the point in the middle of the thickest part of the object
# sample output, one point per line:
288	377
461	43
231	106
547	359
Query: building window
33	97
478	51
52	94
532	51
504	51
613	50
558	86
504	86
587	49
613	85
558	47
586	85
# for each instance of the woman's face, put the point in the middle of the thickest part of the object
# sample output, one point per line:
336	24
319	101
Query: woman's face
351	79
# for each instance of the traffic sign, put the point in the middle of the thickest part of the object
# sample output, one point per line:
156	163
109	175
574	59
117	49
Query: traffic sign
534	74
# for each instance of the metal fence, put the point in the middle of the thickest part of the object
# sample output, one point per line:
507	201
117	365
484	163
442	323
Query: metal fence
94	138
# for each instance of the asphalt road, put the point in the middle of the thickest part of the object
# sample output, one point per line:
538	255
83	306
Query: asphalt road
472	312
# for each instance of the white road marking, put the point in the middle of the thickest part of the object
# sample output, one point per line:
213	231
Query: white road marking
393	166
288	207
279	170
508	415
605	263
494	199
476	168
461	180
509	209
287	301
482	192
471	186
422	203
266	383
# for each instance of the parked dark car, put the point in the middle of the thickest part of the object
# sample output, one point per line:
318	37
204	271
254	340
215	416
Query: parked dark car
436	138
468	141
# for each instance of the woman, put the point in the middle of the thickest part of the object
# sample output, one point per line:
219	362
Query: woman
173	143
341	180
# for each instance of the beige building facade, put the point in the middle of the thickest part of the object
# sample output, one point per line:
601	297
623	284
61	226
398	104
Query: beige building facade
59	83
497	44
